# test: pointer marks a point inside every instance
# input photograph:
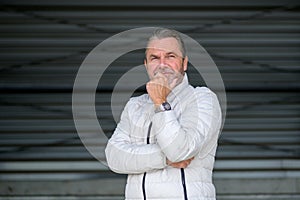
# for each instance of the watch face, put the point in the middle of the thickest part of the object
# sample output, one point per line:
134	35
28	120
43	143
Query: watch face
166	106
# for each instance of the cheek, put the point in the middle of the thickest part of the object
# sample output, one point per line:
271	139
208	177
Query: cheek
150	70
177	66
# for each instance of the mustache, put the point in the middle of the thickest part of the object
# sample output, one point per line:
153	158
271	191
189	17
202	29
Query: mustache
164	70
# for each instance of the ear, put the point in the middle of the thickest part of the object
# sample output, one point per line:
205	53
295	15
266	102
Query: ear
185	63
145	63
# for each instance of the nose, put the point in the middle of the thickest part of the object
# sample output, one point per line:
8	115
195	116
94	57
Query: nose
162	61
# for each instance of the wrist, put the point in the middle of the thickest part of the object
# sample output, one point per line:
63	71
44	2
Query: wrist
165	106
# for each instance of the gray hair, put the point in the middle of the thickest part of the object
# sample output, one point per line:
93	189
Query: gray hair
162	33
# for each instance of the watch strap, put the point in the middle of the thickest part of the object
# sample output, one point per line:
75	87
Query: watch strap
165	106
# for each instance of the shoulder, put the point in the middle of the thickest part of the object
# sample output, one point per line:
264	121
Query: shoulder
139	101
199	93
142	99
204	92
208	100
205	97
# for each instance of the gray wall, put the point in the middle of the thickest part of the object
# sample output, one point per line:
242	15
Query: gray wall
255	45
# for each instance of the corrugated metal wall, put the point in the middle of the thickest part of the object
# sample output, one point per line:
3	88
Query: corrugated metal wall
255	44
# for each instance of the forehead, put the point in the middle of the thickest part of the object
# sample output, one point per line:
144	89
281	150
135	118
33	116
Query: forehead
164	45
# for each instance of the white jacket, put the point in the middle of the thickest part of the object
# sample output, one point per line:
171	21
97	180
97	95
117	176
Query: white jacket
190	129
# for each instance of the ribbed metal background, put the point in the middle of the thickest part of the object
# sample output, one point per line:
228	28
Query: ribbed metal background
255	44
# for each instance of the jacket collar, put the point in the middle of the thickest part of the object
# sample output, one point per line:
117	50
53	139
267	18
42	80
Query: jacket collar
178	89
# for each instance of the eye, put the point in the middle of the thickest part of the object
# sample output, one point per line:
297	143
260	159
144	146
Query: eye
153	58
171	56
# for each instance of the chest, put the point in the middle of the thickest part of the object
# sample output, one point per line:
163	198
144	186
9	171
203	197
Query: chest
141	118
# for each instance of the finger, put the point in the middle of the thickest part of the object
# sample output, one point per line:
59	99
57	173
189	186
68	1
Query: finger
149	86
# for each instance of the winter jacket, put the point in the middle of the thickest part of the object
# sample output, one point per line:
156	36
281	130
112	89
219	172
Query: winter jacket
143	140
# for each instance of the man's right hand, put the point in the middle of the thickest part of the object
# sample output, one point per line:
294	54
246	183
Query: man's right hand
158	89
181	164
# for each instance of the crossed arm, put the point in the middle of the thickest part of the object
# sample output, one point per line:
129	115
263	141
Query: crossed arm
124	156
178	142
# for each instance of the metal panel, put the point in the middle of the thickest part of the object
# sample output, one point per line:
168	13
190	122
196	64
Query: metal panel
255	45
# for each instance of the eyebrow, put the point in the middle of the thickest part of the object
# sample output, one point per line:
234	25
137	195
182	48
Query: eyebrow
168	53
153	56
171	52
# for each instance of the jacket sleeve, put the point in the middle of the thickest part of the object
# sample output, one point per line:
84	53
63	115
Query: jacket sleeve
126	157
195	132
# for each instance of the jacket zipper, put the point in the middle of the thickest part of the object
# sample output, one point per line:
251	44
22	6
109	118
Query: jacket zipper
183	184
144	177
143	186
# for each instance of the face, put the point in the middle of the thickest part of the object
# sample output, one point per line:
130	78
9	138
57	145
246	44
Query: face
164	57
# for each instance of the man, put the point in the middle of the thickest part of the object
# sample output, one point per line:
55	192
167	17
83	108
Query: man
166	140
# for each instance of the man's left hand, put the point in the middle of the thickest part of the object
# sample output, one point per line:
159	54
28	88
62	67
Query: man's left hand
181	164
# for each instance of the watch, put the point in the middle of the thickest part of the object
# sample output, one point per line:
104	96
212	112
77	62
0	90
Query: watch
165	106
